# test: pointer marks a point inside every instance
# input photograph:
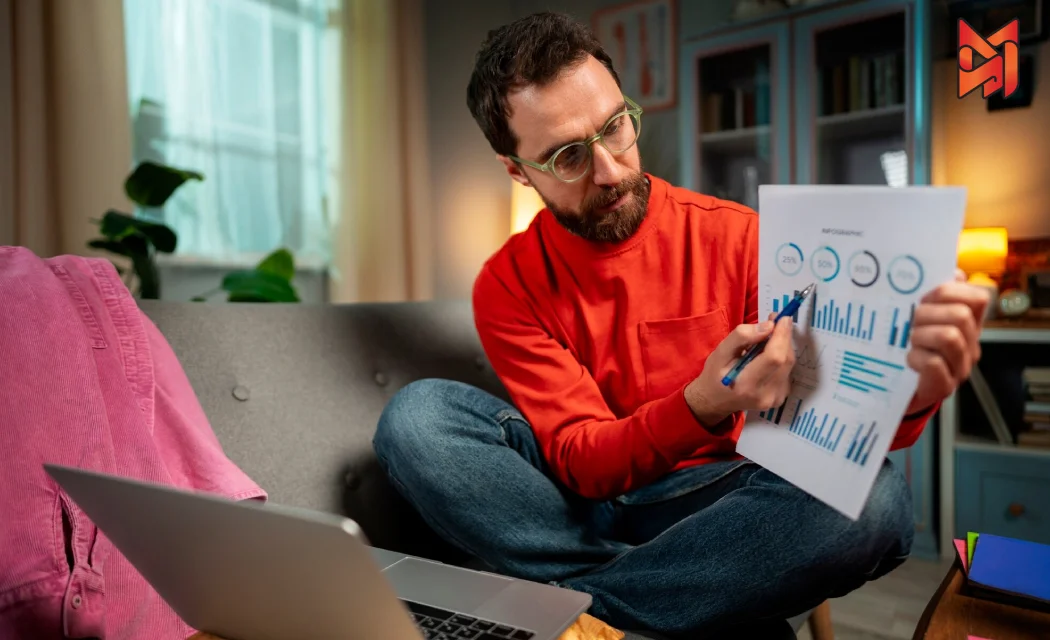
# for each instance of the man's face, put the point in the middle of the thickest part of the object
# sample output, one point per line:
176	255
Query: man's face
609	203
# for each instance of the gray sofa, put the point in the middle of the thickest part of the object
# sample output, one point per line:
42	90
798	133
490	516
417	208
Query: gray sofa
294	392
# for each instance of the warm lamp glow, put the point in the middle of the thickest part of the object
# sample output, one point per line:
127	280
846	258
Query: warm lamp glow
983	251
525	203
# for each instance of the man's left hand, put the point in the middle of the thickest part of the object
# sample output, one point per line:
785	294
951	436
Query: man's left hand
945	342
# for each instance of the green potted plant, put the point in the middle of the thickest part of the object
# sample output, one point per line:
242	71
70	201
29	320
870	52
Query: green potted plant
150	185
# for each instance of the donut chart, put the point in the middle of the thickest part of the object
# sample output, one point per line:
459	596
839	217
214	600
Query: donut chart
789	259
905	274
825	263
863	268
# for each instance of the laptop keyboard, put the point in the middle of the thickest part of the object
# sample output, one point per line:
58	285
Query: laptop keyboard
438	624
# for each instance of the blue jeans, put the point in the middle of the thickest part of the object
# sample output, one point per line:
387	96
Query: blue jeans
718	547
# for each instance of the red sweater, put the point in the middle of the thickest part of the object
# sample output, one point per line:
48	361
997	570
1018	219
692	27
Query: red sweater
596	343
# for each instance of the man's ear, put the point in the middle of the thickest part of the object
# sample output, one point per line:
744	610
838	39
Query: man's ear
514	171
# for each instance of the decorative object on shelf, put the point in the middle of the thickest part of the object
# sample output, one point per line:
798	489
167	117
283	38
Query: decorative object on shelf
982	255
641	40
750	9
1037	286
1014	303
525	203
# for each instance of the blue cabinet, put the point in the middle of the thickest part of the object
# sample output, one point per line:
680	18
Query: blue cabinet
861	108
835	93
735	112
1002	492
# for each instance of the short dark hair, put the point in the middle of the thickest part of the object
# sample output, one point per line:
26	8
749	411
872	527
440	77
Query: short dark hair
532	50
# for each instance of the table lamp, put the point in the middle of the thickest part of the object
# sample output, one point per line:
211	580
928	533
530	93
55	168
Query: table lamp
525	203
982	255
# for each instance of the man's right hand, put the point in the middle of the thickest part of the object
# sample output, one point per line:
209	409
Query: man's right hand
763	384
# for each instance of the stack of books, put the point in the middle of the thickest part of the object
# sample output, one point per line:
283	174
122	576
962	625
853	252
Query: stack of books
1036	431
1006	570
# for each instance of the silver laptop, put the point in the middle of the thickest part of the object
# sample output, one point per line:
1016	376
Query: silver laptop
249	571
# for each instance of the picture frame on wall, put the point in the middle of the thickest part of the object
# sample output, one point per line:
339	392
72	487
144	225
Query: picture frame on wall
641	39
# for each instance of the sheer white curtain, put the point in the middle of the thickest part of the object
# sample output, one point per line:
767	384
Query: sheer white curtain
243	92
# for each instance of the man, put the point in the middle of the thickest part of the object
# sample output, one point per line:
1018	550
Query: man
611	321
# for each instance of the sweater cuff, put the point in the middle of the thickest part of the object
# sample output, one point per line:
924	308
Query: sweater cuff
672	427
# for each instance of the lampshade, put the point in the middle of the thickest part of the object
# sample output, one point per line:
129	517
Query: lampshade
983	250
525	203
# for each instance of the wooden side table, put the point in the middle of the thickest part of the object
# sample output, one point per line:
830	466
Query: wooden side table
953	615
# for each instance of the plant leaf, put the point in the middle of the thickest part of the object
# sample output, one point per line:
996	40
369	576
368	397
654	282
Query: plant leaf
151	184
258	286
116	225
198	299
279	263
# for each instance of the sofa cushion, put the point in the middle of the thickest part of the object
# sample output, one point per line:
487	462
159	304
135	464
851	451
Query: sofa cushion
294	393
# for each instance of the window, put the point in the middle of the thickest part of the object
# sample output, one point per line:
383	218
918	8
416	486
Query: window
242	92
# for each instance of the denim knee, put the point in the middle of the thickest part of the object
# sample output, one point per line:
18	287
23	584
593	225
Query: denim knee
887	525
407	421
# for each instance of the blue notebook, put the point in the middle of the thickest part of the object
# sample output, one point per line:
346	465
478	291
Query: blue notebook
1012	566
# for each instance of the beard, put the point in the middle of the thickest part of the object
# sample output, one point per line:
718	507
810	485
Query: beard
592	224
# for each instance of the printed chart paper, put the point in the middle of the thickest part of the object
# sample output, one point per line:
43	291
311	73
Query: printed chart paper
873	252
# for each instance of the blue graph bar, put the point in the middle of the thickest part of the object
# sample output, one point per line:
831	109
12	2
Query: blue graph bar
819	431
783	302
833	317
773	415
860	448
866	374
900	331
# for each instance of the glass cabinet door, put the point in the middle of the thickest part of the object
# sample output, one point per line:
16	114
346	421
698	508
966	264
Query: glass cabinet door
736	114
855	109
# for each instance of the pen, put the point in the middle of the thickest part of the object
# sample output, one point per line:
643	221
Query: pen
789	310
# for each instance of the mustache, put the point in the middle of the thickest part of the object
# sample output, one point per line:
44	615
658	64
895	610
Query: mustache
612	194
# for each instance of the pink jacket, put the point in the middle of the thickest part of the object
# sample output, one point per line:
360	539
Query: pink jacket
87	380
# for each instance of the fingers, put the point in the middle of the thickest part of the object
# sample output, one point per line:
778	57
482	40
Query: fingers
764	377
741	338
934	371
960	275
949	345
957	315
976	298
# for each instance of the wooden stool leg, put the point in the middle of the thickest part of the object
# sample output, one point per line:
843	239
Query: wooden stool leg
820	622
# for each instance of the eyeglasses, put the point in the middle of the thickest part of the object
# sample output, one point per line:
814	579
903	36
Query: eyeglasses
573	161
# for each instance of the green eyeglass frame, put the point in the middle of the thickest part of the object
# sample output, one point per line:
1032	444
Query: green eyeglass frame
632	110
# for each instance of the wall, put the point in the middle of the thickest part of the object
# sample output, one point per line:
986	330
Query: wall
471	191
1002	157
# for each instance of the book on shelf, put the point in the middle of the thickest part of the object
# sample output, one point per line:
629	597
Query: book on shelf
742	107
1037	408
861	83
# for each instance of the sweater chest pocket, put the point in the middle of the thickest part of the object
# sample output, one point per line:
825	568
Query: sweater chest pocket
674	350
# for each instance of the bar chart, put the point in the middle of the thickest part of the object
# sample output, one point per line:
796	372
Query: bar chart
774	415
850	320
860	447
782	302
900	327
821	430
867	374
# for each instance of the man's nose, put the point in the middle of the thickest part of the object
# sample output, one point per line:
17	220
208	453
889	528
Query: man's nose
606	170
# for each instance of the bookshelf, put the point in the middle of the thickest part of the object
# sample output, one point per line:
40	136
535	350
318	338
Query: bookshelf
832	93
988	482
847	84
